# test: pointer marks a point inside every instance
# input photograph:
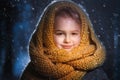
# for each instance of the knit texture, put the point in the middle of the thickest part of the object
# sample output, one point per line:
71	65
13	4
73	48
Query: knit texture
51	63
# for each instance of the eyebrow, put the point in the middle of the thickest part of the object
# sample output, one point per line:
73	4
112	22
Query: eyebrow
58	30
63	30
76	30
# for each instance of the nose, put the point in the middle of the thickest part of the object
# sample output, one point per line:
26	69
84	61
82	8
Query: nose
67	39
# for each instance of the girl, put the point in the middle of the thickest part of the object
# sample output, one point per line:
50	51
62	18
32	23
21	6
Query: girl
64	46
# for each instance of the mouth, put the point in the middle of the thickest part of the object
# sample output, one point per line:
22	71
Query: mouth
67	46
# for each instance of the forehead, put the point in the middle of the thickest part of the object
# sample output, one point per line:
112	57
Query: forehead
66	23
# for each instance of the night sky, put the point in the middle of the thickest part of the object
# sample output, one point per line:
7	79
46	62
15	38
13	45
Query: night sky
19	18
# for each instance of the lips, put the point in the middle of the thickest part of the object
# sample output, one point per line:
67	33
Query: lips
67	46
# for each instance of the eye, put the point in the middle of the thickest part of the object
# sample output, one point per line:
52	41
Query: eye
59	33
75	33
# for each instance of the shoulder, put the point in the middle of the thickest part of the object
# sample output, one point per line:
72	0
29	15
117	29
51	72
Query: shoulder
97	74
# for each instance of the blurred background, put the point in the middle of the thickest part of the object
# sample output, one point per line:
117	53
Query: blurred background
18	20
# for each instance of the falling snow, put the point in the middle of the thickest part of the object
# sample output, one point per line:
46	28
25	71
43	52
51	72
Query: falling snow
115	14
98	36
104	5
93	10
101	28
94	21
33	8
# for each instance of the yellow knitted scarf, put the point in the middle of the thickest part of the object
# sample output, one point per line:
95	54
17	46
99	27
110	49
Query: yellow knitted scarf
49	62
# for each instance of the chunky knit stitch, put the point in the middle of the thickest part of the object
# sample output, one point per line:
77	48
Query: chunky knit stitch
49	62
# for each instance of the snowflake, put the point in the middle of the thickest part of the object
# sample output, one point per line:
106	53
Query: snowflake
93	10
21	26
4	9
82	2
95	21
13	40
118	35
104	5
13	5
98	36
33	8
101	28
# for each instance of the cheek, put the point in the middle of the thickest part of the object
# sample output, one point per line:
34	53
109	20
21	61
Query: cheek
77	41
58	40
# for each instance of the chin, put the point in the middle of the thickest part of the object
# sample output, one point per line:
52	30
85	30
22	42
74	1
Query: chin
68	50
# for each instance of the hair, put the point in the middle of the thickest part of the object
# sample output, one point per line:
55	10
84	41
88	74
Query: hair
68	12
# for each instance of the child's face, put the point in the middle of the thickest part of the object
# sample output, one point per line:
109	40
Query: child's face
66	33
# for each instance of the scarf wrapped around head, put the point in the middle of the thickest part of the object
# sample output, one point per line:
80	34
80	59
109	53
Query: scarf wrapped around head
49	62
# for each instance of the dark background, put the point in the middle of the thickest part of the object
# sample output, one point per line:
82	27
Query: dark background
18	20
